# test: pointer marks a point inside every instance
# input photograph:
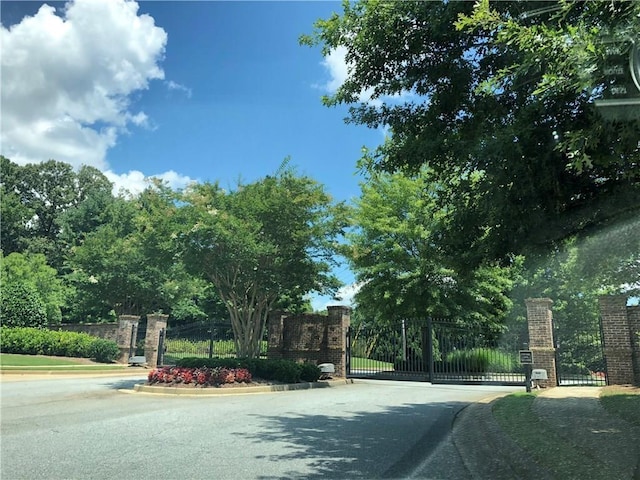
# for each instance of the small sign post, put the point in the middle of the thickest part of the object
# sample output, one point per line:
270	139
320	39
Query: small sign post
526	359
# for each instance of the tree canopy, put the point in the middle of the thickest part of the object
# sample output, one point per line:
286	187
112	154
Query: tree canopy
495	100
403	272
41	280
262	243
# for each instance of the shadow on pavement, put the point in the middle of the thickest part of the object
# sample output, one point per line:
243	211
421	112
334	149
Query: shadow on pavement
124	384
351	444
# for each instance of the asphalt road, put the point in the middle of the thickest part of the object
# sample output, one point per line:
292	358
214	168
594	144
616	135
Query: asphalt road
92	428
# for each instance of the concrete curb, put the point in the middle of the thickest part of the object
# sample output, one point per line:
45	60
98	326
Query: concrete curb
199	392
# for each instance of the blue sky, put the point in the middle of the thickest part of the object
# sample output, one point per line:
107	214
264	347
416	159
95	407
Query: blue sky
181	90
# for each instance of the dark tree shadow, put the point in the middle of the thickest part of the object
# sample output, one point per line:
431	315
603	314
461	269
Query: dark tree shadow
385	444
125	384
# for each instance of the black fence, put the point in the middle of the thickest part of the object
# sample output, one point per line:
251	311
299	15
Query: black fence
396	350
202	339
464	353
580	353
440	351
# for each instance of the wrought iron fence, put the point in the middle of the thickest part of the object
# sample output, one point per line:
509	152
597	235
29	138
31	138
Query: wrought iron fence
202	339
392	350
441	351
468	353
580	353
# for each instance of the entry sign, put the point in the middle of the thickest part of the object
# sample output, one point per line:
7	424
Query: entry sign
526	357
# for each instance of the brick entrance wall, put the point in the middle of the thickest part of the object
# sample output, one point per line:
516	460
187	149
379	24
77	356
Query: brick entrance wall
311	338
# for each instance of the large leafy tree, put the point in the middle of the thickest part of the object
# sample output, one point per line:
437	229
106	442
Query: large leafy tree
505	121
108	269
14	213
42	280
47	207
128	264
260	244
404	273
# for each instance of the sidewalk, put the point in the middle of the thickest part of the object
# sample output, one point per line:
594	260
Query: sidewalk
574	413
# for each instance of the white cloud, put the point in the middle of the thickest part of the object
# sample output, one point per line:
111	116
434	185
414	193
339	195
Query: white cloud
339	70
67	80
336	65
135	181
171	85
344	296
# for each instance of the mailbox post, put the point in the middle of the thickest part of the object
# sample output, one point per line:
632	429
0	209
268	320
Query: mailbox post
526	359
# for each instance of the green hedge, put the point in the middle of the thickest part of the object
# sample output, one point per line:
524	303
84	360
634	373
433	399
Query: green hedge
36	341
21	306
285	371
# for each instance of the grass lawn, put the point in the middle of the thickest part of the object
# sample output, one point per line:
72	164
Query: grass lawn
515	416
622	401
358	363
10	361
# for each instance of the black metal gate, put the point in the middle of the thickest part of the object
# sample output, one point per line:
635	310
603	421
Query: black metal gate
579	353
392	351
466	353
440	351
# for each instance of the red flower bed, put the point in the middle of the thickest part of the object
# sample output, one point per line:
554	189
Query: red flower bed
199	376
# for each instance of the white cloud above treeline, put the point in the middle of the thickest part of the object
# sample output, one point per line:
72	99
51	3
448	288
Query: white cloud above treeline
134	181
68	76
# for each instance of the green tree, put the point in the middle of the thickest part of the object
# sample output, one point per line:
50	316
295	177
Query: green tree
89	209
48	207
14	213
265	241
109	269
33	270
521	157
128	263
395	255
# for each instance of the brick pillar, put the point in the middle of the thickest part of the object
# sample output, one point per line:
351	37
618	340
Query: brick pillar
274	333
616	334
339	321
633	315
155	323
540	321
126	336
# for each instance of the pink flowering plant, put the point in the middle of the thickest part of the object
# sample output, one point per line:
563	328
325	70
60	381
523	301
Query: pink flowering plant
202	376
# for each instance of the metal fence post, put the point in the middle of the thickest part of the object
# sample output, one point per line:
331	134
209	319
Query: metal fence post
347	359
430	349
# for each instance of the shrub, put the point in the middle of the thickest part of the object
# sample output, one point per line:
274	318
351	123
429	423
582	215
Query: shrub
309	372
104	351
21	306
36	341
480	360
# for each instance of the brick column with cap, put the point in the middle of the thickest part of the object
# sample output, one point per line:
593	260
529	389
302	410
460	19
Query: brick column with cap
155	323
540	321
126	336
616	335
338	325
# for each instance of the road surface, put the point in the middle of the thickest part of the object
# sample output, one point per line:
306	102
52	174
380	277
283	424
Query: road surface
95	428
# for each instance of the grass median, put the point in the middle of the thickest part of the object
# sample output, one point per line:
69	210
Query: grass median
547	447
622	401
10	362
